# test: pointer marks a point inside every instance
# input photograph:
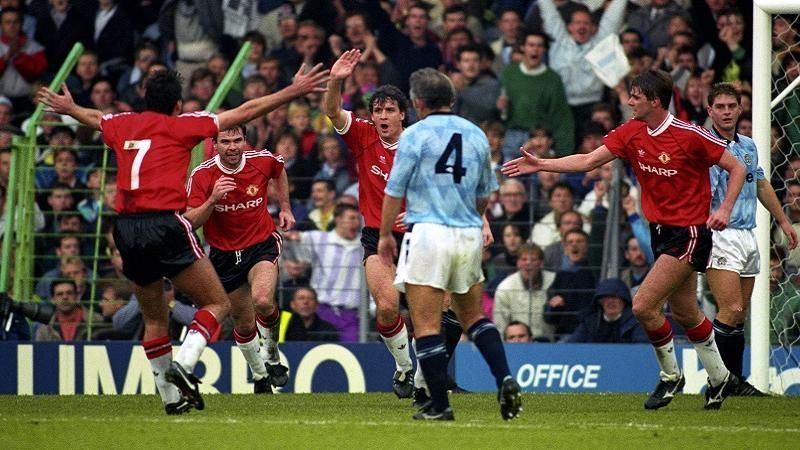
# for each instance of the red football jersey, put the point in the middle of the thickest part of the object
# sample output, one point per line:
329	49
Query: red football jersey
671	163
153	153
240	219
374	159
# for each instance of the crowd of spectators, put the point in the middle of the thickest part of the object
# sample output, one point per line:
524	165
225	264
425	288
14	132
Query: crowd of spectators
519	70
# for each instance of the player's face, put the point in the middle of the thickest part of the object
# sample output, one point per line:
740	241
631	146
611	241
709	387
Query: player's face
230	145
725	112
388	120
642	107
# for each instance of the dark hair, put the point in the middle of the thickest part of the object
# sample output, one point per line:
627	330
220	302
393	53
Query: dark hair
432	87
630	30
460	30
58	281
361	13
16	11
60	150
241	127
561	185
342	208
306	288
580	8
517	322
329	184
530	247
162	92
454	9
655	84
469	48
723	89
388	92
560	217
255	36
59	186
545	38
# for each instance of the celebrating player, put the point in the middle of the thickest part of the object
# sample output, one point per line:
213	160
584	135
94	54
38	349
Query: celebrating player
227	196
734	261
153	149
671	159
443	171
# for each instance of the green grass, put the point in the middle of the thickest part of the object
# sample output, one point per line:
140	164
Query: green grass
382	421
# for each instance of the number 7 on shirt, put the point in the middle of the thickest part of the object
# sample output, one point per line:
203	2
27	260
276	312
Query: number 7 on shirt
141	147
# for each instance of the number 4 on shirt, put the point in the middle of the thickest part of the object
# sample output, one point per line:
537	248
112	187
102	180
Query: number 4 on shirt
456	169
141	147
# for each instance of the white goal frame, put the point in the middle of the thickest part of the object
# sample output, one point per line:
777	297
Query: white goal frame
762	107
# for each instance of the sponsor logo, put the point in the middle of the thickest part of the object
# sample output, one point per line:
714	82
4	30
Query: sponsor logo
239	206
641	153
664	157
377	171
252	190
657	170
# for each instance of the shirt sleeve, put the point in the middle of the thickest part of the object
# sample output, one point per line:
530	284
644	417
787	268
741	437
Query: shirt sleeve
617	139
108	129
405	162
197	126
488	180
352	133
712	146
197	189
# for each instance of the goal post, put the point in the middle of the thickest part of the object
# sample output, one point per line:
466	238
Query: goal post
760	348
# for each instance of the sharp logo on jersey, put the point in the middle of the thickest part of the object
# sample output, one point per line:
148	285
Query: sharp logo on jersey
252	190
377	171
664	157
641	153
657	170
238	206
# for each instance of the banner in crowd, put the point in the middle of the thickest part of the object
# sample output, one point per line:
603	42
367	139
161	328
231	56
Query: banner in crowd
122	368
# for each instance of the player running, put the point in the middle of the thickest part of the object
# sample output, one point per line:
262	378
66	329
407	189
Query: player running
734	261
153	149
227	196
443	171
671	159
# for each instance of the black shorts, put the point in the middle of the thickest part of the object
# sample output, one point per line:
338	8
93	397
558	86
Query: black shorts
155	245
692	243
233	265
369	241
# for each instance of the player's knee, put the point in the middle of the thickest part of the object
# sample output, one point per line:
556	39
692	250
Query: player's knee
642	309
738	313
264	302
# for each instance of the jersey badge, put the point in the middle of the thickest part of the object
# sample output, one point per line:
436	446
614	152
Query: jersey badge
664	158
252	190
382	159
641	153
748	159
722	261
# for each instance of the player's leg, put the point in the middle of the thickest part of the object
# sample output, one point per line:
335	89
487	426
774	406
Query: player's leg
484	334
425	305
156	343
245	334
667	273
390	324
263	278
726	286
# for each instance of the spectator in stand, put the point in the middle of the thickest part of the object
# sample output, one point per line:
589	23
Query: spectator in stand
59	28
258	50
22	61
791	204
323	197
784	309
517	332
128	321
561	199
476	91
555	255
685	67
89	207
653	21
694	101
570	294
67	245
192	32
69	322
733	60
454	40
110	302
112	38
610	319
534	96
299	120
522	296
637	261
146	54
87	71
105	99
202	84
335	261
505	48
309	47
515	208
334	166
6	115
745	126
69	267
304	323
571	42
504	262
29	22
270	69
630	39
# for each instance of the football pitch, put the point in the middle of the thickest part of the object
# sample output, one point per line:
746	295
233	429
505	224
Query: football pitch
383	421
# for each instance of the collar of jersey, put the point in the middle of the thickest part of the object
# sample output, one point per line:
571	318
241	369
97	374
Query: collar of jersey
387	145
224	169
662	127
719	135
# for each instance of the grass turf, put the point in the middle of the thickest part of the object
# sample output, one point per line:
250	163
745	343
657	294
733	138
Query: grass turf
382	421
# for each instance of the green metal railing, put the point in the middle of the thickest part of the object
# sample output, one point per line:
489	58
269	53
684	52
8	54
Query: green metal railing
20	195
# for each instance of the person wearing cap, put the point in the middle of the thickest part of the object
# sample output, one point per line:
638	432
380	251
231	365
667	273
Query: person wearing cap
610	319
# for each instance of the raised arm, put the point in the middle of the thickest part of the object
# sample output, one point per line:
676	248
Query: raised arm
64	104
580	162
304	83
332	101
767	197
718	220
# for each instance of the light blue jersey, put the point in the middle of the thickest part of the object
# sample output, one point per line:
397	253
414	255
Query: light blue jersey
744	210
441	167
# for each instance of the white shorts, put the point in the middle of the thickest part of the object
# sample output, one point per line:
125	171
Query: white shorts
735	250
441	257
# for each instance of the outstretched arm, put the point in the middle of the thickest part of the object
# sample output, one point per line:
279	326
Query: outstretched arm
332	102
581	162
303	84
64	104
767	197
